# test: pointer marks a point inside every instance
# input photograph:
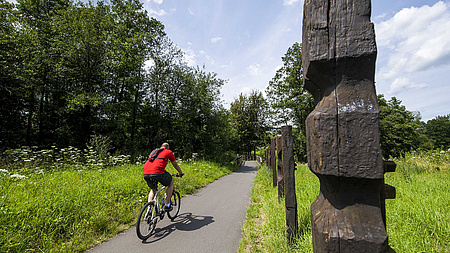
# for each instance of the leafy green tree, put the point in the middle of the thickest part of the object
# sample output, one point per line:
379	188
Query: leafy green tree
249	119
12	99
289	102
438	129
400	130
72	70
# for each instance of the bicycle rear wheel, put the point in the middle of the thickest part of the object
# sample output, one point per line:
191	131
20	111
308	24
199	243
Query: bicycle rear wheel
147	220
176	203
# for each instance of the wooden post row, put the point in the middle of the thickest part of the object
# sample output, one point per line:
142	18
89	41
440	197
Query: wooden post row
289	183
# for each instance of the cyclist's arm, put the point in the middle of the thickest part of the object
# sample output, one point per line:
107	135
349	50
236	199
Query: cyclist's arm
177	167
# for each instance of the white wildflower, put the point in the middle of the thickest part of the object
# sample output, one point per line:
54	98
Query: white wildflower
3	170
442	152
18	176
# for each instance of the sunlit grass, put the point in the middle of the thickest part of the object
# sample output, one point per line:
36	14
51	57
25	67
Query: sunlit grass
265	227
72	210
418	219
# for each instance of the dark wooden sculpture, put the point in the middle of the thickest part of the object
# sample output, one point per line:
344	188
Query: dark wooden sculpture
344	151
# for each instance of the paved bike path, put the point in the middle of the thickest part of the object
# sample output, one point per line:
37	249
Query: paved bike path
209	221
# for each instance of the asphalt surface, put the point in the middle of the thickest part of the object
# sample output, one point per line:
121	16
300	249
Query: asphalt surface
209	221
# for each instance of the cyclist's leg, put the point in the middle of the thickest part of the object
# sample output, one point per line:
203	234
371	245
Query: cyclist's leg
151	194
153	185
166	180
169	191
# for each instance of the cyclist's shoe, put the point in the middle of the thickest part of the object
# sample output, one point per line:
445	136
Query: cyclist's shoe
168	208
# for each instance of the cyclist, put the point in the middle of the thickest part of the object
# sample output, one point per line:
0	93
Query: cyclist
154	172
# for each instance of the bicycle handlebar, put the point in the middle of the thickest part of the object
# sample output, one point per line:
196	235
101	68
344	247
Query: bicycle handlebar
177	175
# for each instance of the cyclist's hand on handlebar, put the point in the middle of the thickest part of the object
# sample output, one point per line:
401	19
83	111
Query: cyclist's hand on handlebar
181	174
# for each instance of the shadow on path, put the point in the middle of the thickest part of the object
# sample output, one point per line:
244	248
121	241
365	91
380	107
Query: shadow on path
248	167
184	222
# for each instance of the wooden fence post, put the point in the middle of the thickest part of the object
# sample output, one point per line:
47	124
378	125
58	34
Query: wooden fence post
289	183
273	162
280	168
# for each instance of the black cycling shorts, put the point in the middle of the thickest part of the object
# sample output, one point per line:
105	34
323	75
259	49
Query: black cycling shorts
153	179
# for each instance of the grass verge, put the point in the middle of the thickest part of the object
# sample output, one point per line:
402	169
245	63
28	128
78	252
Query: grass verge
417	220
72	210
264	228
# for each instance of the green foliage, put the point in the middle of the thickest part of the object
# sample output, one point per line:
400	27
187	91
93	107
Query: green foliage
72	210
289	102
75	69
249	119
400	130
438	129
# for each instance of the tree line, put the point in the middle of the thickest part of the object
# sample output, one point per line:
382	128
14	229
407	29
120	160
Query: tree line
401	130
71	71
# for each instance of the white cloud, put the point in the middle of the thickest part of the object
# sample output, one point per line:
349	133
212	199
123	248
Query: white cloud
254	69
190	56
158	1
246	90
403	83
290	2
207	57
157	13
191	11
415	39
216	39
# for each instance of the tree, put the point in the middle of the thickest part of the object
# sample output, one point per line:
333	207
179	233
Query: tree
290	103
249	119
12	99
400	130
438	129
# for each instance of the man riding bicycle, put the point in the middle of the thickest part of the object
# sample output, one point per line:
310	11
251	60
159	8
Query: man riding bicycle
154	172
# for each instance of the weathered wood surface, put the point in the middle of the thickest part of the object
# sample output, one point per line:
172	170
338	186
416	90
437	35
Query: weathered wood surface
273	162
280	170
344	151
289	183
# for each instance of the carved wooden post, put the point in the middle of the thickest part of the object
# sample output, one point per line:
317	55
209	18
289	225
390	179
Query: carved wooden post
280	168
344	151
273	162
289	183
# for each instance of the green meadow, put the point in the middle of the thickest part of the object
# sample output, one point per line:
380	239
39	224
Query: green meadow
70	209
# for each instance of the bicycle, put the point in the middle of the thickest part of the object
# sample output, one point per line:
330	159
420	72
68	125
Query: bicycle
154	211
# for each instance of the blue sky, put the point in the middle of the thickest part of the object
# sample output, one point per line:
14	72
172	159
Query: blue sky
243	42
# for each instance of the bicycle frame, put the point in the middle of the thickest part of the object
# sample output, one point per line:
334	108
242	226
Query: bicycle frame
152	211
160	204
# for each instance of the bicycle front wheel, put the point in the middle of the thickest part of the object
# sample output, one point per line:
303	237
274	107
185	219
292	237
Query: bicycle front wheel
176	203
146	221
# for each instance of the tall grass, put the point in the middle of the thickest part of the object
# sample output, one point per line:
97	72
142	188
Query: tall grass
264	229
72	209
418	219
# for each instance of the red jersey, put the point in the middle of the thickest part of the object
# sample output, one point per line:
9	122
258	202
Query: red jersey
158	165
